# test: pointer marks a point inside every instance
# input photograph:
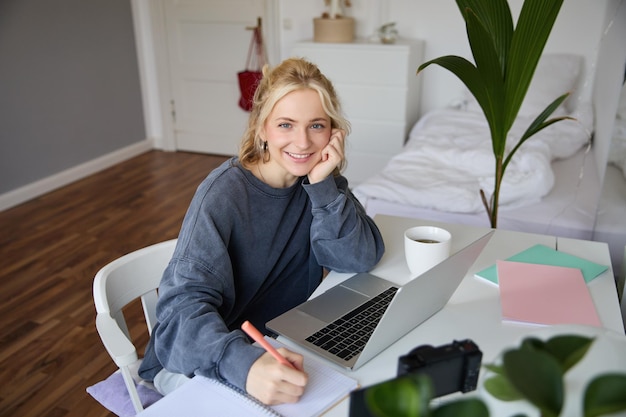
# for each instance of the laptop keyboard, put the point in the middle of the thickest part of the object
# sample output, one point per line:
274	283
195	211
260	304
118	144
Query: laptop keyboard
346	337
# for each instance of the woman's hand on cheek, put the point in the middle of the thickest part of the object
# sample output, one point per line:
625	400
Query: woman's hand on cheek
274	383
332	155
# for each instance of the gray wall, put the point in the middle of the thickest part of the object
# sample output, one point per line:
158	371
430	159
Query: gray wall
69	85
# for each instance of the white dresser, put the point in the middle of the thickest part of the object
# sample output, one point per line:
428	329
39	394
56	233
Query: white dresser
379	92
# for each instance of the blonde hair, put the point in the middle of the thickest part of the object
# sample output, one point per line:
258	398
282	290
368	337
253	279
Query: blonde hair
291	75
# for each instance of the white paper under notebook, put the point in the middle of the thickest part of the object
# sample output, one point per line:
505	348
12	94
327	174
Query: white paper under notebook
204	397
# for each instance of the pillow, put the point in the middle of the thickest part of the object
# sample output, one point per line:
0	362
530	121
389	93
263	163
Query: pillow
112	394
555	75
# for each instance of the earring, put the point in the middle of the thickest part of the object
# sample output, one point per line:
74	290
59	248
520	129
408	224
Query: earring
266	154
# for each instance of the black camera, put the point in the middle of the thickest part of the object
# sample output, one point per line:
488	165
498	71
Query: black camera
453	367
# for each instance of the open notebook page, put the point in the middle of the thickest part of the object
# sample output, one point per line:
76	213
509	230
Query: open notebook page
202	397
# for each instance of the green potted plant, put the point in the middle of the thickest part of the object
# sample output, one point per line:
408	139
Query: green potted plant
534	371
505	61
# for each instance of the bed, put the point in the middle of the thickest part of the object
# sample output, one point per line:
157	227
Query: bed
552	185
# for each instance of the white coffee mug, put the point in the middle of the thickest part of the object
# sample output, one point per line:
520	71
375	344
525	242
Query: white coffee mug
425	247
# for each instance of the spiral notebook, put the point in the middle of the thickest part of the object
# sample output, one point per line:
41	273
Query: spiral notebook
202	397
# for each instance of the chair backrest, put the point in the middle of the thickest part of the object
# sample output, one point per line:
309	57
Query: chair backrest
135	275
129	277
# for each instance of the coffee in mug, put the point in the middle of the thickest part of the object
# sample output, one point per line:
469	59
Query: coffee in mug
425	247
426	241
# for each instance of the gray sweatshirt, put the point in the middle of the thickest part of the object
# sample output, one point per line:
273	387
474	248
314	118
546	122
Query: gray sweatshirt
247	251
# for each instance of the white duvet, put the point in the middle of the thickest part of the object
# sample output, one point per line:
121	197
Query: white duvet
448	158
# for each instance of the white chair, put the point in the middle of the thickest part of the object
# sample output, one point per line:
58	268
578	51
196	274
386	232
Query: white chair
135	275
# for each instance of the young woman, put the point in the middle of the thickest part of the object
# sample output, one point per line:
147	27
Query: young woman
256	239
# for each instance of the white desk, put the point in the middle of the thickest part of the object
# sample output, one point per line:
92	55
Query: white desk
474	310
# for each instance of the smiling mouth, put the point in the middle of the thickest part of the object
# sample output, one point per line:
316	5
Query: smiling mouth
299	155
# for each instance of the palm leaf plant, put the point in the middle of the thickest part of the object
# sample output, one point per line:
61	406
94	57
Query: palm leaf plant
505	61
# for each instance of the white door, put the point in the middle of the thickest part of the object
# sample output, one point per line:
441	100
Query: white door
207	44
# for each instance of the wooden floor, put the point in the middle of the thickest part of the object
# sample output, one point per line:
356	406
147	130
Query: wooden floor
50	250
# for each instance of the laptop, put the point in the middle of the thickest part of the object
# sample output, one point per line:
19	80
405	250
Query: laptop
357	319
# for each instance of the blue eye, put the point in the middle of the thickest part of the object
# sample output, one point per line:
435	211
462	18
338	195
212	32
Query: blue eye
317	126
285	125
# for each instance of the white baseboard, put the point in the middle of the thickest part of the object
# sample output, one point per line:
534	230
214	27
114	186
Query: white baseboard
37	188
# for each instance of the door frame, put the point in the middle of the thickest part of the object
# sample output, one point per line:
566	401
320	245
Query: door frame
154	74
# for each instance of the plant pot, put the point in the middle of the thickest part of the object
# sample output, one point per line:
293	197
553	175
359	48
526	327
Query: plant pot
340	30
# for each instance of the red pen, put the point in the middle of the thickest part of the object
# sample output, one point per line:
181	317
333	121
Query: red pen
258	337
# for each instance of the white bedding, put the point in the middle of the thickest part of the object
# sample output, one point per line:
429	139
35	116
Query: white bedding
569	210
448	158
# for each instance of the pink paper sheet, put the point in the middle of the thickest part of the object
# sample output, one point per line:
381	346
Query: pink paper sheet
545	294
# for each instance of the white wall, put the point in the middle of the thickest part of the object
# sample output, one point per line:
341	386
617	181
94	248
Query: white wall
70	101
578	29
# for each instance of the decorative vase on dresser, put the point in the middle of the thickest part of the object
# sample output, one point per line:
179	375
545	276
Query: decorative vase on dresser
379	91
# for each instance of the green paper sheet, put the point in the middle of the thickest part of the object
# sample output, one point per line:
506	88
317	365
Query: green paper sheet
544	255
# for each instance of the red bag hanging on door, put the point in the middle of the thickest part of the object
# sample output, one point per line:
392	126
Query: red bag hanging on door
249	78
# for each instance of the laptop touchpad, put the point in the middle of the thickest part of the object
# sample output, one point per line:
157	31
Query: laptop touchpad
333	304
